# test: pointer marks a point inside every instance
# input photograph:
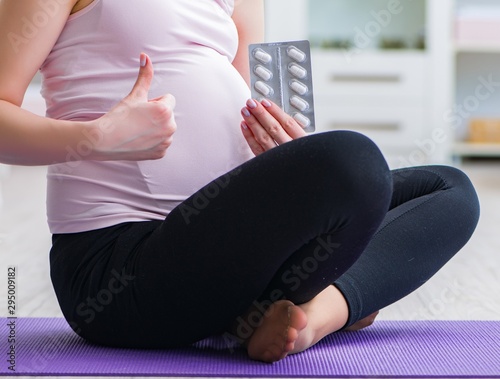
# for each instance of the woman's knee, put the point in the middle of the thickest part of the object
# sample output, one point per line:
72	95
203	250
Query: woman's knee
462	192
365	170
350	168
458	199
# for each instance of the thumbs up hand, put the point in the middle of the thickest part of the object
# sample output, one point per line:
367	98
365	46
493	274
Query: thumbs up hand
136	128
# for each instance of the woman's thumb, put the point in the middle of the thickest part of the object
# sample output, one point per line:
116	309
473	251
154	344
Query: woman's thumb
144	79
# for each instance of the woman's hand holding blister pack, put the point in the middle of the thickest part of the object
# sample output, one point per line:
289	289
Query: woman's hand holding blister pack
281	83
266	125
136	128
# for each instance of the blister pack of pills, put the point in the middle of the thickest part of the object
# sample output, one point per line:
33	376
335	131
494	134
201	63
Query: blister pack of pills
281	72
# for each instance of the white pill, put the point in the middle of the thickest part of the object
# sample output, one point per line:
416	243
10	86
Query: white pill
296	54
262	56
297	71
298	87
263	88
263	73
299	103
302	120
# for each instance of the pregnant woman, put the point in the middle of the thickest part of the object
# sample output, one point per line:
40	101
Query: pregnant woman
181	209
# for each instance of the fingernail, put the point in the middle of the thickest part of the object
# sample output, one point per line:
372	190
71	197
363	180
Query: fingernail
143	60
244	125
251	104
266	103
245	112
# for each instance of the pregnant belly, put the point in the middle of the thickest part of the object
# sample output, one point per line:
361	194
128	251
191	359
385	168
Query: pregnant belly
208	142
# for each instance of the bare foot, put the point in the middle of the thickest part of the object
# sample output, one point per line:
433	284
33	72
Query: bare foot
288	329
326	313
275	337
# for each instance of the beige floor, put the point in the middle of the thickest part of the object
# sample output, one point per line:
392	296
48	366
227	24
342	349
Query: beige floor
466	289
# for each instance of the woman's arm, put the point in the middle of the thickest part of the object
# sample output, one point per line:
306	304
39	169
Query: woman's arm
24	47
28	139
264	123
249	19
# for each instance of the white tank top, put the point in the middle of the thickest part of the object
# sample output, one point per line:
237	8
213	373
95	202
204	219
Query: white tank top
95	63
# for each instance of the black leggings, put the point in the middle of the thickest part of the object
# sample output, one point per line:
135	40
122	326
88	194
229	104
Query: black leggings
320	210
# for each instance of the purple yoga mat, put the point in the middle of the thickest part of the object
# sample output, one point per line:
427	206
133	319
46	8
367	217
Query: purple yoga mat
417	349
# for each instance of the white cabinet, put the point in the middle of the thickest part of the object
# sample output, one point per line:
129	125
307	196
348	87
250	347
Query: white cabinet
476	58
398	97
380	96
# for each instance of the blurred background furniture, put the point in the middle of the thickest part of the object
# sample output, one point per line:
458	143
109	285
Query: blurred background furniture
411	74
